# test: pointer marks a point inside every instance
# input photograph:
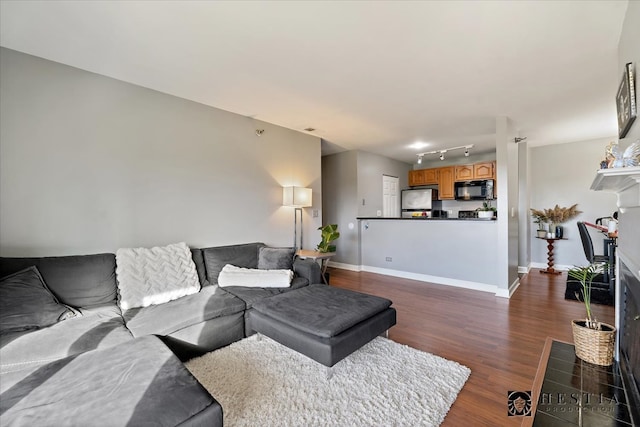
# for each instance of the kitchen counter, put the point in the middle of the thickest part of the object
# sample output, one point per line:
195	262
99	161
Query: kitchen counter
451	251
425	219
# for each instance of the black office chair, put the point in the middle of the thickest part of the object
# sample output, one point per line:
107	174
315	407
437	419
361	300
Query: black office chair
587	245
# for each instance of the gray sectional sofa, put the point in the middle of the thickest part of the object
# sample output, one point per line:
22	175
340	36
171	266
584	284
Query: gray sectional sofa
110	367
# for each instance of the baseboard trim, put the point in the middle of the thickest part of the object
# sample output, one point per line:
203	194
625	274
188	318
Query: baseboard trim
524	269
543	265
475	286
344	266
483	287
507	293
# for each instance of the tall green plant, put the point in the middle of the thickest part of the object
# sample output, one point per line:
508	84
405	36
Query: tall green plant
585	276
329	233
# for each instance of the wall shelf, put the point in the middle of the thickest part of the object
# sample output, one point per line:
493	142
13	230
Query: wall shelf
625	182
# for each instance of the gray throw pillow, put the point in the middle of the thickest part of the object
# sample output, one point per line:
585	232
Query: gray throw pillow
26	302
275	258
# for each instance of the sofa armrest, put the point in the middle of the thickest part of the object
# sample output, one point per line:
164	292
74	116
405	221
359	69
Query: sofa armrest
308	269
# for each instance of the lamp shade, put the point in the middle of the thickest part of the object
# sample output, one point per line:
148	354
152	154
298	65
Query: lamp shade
297	197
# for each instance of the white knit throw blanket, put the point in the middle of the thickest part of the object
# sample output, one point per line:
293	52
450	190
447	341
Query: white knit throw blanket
254	278
149	276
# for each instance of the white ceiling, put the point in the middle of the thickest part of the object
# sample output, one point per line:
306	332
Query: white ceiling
370	75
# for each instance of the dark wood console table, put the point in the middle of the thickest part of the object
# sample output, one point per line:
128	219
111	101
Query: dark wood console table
550	242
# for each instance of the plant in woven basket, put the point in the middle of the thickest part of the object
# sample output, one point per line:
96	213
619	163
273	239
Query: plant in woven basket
585	276
594	341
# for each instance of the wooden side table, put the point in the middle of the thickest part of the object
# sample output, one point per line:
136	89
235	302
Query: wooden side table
324	258
550	242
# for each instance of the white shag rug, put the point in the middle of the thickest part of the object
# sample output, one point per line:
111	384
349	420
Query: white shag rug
263	383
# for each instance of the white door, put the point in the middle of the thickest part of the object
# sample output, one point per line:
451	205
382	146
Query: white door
390	199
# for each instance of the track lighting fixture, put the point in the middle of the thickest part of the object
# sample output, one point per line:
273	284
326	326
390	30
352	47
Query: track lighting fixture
259	132
441	152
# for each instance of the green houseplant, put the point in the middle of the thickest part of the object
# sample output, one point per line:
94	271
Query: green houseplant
540	219
486	211
328	233
594	341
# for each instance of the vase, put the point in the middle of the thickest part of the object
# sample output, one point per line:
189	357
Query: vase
594	346
542	234
559	231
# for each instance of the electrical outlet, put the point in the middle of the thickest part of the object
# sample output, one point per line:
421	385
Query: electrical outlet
388	259
379	213
315	213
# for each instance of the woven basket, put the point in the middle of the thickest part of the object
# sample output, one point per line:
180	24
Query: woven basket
594	346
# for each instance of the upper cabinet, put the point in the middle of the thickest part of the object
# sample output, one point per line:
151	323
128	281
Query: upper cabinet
464	172
484	170
444	177
445	183
423	177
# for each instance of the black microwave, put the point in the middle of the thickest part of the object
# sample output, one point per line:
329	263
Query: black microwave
474	190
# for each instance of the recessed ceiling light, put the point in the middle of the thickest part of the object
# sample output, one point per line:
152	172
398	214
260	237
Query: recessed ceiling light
310	129
419	145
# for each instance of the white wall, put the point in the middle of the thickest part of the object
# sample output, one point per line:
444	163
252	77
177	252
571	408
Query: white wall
371	167
562	174
507	177
91	164
458	253
340	202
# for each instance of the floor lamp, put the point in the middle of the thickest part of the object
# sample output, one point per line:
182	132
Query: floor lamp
297	198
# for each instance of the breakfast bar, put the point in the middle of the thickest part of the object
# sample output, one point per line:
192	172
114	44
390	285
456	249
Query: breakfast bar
455	251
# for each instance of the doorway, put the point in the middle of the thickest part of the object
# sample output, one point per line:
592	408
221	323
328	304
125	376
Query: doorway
390	200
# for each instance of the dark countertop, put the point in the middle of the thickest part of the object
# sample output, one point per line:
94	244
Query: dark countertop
368	218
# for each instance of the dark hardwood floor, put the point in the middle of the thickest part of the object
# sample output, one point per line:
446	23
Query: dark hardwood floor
499	339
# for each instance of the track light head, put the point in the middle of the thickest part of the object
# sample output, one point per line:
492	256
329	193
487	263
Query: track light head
466	152
442	155
419	159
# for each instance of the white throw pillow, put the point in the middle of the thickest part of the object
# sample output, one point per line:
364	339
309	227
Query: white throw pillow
254	278
149	276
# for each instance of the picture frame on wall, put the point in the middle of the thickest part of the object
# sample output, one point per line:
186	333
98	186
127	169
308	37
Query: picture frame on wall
626	101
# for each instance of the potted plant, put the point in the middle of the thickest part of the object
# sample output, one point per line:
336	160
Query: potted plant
541	220
329	233
486	211
594	341
556	216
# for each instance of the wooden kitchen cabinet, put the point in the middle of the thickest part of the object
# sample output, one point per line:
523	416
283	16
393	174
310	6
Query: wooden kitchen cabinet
423	177
430	176
416	177
464	172
485	170
446	177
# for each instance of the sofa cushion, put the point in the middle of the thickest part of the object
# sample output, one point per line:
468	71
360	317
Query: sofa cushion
26	303
215	258
98	327
134	384
275	258
198	260
77	281
253	295
164	319
148	276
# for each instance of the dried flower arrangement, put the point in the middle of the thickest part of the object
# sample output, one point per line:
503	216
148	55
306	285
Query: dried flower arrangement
556	215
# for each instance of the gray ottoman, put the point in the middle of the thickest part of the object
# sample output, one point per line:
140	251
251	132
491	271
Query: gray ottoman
324	323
